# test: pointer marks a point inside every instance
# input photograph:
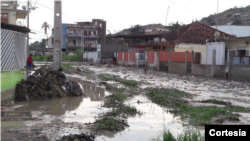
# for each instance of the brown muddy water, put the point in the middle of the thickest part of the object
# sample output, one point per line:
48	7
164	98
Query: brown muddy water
84	110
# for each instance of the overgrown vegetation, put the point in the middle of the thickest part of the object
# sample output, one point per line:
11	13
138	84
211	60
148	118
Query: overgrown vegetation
67	66
108	124
114	89
200	115
108	77
214	101
128	110
188	134
41	58
115	100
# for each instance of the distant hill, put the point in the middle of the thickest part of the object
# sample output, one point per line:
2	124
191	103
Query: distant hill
149	26
232	16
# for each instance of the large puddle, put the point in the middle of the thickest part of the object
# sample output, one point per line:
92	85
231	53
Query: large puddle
84	110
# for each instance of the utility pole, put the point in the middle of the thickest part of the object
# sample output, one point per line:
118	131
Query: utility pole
28	25
167	17
28	20
57	51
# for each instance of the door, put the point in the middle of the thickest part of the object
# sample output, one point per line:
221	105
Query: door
74	42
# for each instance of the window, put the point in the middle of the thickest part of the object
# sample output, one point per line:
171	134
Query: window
100	25
95	23
4	4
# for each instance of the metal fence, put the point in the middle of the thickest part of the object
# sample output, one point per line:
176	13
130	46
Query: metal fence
13	50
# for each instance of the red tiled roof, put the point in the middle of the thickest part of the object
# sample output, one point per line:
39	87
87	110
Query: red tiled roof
194	33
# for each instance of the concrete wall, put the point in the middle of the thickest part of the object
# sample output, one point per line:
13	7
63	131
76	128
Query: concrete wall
8	83
164	66
177	68
207	70
240	72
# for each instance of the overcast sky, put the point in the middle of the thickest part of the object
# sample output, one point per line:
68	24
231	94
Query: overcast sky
121	14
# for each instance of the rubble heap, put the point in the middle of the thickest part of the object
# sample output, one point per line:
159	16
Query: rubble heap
79	137
46	84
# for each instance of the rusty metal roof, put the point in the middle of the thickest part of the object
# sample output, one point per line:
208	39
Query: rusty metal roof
17	28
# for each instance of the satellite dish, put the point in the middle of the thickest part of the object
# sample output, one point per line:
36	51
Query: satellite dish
216	34
163	40
24	7
156	40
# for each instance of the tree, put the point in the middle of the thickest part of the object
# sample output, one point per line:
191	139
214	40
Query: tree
136	29
38	46
175	25
236	22
45	26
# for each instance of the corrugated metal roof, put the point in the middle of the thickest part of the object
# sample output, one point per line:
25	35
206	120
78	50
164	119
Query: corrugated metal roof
239	31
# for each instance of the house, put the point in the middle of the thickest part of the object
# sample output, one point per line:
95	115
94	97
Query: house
10	13
193	37
238	31
13	58
82	35
240	47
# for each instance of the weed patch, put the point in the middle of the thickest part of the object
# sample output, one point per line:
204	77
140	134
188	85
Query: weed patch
67	66
131	111
108	77
115	100
108	124
114	89
214	101
200	115
167	97
188	134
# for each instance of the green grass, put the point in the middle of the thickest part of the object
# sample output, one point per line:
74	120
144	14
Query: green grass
67	66
108	77
38	58
167	97
115	100
114	89
167	136
131	111
107	124
188	134
214	101
203	114
174	99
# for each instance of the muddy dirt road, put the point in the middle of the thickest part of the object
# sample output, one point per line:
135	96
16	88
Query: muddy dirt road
62	116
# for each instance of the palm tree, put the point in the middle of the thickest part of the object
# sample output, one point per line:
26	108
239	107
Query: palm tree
46	26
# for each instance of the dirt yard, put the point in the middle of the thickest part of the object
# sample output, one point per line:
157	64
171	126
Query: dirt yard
62	116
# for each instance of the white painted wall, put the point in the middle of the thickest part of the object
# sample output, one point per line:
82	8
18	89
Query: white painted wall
220	53
239	31
91	55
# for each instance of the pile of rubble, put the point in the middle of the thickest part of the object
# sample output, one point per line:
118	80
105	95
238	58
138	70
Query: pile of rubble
79	137
45	83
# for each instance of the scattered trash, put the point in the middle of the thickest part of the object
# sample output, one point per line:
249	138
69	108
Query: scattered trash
79	137
2	108
46	84
116	76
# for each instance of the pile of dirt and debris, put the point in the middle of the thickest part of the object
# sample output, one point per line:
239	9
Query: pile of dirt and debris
46	84
79	137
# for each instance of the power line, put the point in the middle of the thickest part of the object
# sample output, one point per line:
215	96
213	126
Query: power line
183	6
62	12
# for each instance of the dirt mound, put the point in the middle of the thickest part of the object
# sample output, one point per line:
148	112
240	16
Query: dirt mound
46	84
